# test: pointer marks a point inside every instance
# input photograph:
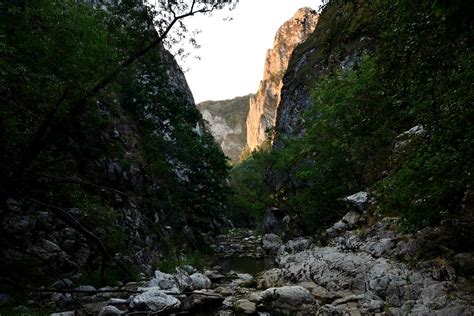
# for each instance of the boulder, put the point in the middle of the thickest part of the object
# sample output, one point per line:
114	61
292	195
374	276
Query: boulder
245	306
110	311
351	218
214	275
119	303
296	245
270	278
359	200
465	262
200	281
288	300
183	280
271	243
162	280
155	300
205	298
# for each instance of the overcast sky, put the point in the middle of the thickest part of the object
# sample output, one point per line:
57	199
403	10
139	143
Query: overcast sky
233	52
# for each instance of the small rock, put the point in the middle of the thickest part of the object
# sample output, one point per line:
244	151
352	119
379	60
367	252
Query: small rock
110	311
69	313
245	306
358	199
213	275
162	280
118	302
223	291
63	284
155	300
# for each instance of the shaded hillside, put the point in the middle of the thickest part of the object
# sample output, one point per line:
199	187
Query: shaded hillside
123	180
226	120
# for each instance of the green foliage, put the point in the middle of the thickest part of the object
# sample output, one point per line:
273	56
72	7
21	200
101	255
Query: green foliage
251	195
195	259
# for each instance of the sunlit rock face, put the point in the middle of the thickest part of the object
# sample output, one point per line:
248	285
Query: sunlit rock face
264	105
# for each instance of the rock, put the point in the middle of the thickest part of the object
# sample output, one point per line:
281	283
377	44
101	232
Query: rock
110	311
119	303
86	288
200	281
63	284
358	199
155	300
289	299
5	299
465	262
183	280
351	218
296	245
271	243
270	278
347	299
373	306
207	298
245	276
245	306
63	301
406	137
162	280
188	269
224	291
18	224
213	275
322	295
69	313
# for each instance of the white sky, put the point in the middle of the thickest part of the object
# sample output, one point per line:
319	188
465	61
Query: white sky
233	52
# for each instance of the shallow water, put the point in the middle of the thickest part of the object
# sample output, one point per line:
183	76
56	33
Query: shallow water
250	265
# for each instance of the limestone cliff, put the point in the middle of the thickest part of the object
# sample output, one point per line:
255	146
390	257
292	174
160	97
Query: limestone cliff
226	121
264	105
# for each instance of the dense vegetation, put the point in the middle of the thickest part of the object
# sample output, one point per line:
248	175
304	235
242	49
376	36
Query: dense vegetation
414	69
104	162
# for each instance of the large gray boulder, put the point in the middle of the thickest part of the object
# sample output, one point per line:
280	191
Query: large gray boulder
289	300
155	300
